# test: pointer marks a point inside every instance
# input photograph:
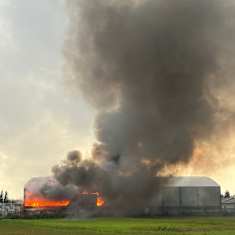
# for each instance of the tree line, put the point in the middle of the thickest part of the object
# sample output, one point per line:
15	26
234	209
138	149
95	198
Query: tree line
4	197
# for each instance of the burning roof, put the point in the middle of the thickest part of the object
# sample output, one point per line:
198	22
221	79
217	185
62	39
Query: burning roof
35	195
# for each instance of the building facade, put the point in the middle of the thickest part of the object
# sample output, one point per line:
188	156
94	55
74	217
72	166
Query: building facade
188	196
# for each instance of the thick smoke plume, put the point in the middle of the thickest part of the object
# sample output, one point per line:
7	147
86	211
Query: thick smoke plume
146	66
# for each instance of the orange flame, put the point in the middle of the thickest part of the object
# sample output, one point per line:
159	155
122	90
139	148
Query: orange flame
35	201
100	202
43	203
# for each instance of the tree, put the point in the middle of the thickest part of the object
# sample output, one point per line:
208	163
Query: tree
1	197
6	197
227	194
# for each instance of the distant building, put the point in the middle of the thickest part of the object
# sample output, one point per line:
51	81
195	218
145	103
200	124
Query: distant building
11	209
228	205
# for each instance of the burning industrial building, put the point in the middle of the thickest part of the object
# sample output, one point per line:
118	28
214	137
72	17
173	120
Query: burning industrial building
179	196
45	196
151	70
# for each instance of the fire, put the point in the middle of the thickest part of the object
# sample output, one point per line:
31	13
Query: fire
36	201
43	203
100	201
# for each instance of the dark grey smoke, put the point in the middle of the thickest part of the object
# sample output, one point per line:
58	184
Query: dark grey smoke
146	67
86	174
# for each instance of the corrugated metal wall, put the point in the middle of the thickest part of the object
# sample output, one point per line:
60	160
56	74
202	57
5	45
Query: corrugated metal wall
187	201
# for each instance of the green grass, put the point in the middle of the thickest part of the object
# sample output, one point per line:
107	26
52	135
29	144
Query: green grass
119	226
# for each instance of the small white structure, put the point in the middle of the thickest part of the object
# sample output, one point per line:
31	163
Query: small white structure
11	209
228	205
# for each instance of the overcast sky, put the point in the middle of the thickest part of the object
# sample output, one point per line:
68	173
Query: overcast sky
40	121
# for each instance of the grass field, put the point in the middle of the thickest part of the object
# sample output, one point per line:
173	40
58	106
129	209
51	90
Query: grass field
119	226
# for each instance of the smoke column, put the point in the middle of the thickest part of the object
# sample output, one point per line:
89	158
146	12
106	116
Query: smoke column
146	67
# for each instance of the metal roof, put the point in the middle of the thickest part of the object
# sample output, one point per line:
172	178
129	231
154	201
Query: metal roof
36	183
182	181
192	181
